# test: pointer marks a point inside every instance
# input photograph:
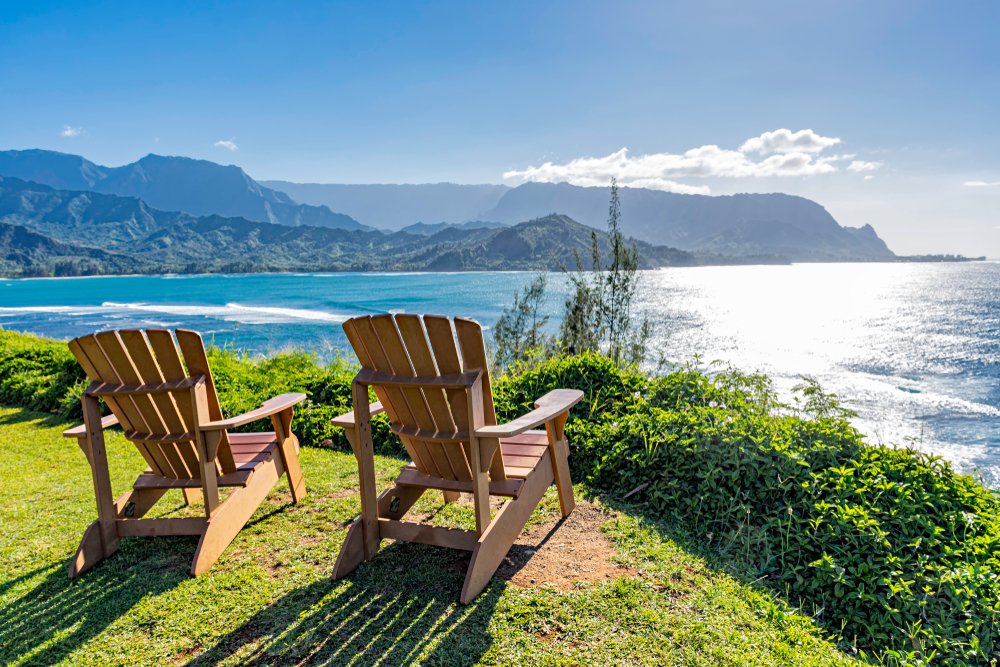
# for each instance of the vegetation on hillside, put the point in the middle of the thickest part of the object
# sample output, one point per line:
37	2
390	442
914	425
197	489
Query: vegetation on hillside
46	232
890	550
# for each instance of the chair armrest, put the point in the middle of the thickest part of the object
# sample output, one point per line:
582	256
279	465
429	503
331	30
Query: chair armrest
346	420
547	408
81	430
271	406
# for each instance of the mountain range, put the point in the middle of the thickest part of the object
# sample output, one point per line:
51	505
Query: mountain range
45	232
198	187
744	227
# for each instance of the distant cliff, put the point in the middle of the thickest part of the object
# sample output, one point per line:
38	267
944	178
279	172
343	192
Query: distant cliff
735	225
744	225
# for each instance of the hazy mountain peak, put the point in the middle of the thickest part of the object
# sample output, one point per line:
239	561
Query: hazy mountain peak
173	183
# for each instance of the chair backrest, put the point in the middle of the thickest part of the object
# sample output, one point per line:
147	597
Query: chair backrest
162	425
433	422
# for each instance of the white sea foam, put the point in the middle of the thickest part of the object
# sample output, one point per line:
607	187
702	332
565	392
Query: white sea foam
234	312
12	311
230	312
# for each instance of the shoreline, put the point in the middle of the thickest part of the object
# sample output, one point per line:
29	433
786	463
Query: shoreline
903	259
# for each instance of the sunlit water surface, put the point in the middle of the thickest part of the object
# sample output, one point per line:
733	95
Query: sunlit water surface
913	348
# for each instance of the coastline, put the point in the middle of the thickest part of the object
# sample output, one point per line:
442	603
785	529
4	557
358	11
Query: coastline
900	259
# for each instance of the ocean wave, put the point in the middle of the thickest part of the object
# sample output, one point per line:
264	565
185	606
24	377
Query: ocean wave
230	312
11	311
234	312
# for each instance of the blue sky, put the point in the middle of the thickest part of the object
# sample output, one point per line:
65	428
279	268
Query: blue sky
468	92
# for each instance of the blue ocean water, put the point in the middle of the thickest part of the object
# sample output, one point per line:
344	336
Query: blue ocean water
913	348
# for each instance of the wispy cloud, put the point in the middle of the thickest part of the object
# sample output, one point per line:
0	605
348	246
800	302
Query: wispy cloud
862	165
69	131
782	153
228	144
981	184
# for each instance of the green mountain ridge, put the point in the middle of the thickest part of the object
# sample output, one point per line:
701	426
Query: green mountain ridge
746	226
171	183
88	233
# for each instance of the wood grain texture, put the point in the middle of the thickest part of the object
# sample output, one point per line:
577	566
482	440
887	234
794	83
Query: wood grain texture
172	415
431	377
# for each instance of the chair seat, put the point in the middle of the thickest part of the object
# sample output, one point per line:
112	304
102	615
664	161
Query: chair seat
521	453
249	451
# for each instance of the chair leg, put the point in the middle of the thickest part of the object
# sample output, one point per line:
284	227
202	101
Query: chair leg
499	537
560	468
290	458
559	451
352	551
191	495
288	447
133	505
90	552
227	521
451	496
100	540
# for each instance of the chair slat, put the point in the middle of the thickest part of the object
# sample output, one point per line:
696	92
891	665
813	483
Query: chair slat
193	349
470	341
95	364
138	348
450	462
362	337
411	329
168	359
442	340
119	358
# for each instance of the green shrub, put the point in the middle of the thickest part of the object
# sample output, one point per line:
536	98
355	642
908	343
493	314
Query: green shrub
244	382
891	550
39	374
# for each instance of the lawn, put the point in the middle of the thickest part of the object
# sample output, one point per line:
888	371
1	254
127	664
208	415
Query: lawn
270	599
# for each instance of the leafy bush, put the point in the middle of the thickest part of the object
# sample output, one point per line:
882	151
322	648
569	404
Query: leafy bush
39	374
244	382
891	550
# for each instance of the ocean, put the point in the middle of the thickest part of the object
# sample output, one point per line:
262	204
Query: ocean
913	348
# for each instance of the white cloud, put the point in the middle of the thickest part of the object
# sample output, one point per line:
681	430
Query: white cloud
228	144
862	165
69	131
782	153
786	141
981	184
869	177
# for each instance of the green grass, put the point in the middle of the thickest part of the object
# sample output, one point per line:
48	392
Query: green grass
270	600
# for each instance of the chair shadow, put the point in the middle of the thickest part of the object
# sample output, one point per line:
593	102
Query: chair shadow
54	617
400	606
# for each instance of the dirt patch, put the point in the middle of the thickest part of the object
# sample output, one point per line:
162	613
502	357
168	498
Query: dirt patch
560	553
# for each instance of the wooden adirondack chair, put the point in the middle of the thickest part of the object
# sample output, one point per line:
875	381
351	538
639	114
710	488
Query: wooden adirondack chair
440	404
172	415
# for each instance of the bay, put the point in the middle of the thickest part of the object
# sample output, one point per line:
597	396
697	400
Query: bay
913	348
